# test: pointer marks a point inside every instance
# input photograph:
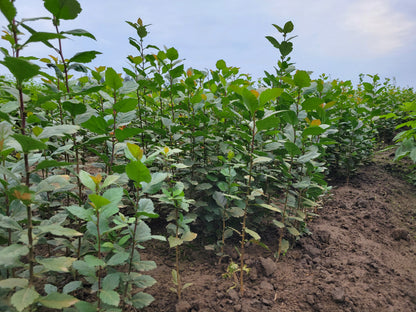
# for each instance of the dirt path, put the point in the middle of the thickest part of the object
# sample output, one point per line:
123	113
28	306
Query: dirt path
360	257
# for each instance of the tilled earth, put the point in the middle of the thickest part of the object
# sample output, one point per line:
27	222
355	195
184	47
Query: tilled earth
361	256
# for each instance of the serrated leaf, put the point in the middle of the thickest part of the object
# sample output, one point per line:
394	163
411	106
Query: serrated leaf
174	241
63	9
20	68
252	234
84	57
110	297
8	9
43	36
142	281
14	282
279	224
79	32
118	258
138	172
58	230
80	212
58	264
269	94
141	300
23	298
71	286
261	159
49	163
10	255
58	301
112	79
302	79
83	306
144	265
188	236
271	207
125	105
293	231
28	144
111	281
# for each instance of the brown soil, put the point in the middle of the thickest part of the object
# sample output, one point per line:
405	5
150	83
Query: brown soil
361	256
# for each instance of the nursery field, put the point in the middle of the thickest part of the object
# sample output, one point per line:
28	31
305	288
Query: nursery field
166	188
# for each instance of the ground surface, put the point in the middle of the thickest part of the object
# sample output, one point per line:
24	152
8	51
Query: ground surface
361	256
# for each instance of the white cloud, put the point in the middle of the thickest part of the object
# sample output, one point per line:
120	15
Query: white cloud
377	28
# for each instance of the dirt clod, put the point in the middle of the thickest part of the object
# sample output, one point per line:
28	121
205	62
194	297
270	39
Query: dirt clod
268	265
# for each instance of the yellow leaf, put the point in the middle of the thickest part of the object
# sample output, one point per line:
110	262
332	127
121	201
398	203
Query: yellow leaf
189	72
166	150
315	122
139	21
203	96
256	94
22	196
97	179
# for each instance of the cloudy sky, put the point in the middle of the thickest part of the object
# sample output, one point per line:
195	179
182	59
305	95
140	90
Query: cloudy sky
340	38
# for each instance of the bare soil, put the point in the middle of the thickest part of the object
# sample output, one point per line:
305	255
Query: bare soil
360	256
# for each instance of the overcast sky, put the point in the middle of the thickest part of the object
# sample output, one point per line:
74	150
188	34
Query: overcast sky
341	38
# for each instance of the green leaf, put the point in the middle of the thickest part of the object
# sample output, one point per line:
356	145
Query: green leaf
144	265
110	180
288	27
20	68
24	298
74	108
63	9
96	124
123	134
43	36
84	268
110	297
81	212
141	300
268	122
311	154
71	286
138	172
311	104
285	48
79	32
125	105
8	9
9	223
292	148
176	72
174	241
203	186
111	281
188	236
142	281
269	94
112	79
172	54
273	41
28	144
252	234
302	79
58	301
84	57
118	258
58	230
98	200
83	306
261	159
14	282
221	64
58	264
49	163
271	207
279	224
314	130
58	130
250	101
293	231
284	246
10	255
